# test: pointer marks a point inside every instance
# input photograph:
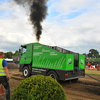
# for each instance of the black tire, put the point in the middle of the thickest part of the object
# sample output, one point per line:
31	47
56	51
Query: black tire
75	80
26	72
53	75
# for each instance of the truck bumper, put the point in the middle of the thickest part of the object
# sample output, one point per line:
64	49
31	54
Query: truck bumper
73	78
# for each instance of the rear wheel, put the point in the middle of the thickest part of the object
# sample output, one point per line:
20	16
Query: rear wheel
26	72
53	75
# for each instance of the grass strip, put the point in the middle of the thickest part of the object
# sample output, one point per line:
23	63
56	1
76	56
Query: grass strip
92	72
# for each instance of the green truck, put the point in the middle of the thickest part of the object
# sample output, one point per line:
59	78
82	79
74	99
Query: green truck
60	64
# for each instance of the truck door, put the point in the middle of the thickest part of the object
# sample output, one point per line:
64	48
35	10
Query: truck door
69	61
81	61
23	55
28	54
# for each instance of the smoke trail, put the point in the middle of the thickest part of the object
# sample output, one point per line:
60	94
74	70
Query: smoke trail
38	12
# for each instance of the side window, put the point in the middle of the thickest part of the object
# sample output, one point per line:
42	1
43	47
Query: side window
24	50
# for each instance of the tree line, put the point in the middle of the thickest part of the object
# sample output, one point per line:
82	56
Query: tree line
10	54
93	55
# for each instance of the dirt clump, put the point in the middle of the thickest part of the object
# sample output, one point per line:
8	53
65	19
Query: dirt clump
12	66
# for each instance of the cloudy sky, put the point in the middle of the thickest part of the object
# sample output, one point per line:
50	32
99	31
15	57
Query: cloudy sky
70	24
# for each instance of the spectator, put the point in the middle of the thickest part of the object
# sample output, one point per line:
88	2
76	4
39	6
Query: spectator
92	64
97	66
88	64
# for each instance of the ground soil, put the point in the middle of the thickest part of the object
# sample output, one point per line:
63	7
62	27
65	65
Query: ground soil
85	89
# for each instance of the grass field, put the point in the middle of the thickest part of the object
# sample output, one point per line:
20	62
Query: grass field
92	72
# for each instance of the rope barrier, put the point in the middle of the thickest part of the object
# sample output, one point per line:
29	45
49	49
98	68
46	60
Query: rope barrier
89	75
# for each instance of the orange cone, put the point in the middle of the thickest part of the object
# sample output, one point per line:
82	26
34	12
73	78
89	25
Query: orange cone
1	90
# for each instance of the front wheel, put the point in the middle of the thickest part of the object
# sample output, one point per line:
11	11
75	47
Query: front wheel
53	75
26	72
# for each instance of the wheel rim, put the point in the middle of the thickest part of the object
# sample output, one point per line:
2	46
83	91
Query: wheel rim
53	76
25	72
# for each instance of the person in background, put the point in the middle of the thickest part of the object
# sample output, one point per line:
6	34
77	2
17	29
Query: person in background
97	66
4	75
92	64
88	64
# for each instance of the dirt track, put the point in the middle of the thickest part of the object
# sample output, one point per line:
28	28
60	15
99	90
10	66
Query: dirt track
85	89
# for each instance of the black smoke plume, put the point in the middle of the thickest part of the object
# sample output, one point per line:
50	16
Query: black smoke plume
38	12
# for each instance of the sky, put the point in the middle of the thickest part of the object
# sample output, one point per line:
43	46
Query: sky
70	24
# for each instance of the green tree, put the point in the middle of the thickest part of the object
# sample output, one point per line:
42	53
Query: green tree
5	55
93	53
16	53
9	54
39	87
